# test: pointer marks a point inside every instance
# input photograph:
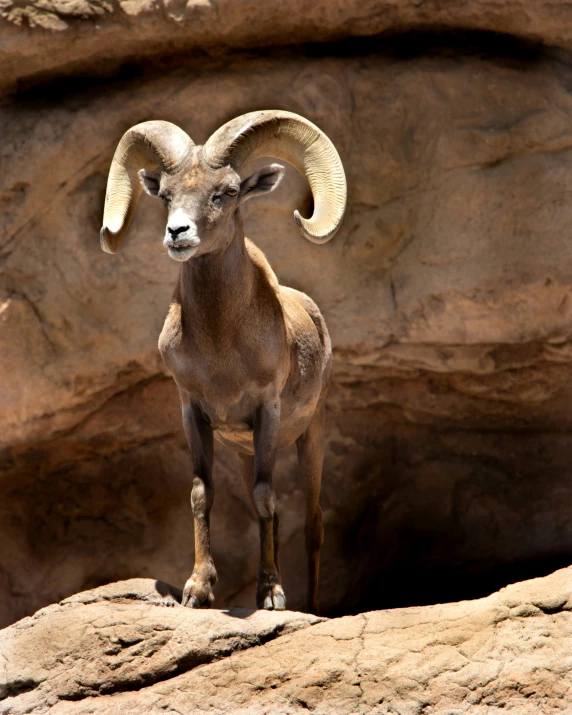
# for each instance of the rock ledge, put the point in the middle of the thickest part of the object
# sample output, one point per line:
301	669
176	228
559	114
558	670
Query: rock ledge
510	651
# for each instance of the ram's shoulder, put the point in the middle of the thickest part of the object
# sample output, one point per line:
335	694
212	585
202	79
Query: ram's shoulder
302	315
260	261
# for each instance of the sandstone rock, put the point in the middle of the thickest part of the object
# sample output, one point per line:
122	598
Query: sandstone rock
447	294
123	636
97	36
510	651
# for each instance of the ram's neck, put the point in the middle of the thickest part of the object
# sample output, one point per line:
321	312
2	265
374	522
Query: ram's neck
216	289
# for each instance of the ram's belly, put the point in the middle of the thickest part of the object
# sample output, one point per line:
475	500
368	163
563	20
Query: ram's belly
238	435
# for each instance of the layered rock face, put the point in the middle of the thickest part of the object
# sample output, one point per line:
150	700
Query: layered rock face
447	293
130	647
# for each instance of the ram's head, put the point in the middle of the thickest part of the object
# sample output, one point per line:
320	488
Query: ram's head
201	185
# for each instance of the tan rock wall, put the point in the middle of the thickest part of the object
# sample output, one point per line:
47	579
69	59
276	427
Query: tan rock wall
447	294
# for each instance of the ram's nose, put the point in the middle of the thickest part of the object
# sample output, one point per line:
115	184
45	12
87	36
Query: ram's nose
180	223
174	232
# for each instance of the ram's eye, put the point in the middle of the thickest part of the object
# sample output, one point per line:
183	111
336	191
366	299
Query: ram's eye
232	191
165	199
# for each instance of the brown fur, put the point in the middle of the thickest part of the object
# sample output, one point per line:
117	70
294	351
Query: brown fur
252	362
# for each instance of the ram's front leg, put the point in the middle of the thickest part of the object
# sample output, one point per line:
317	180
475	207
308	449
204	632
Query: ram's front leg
269	593
198	591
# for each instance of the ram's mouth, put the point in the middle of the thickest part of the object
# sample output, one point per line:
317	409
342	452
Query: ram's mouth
181	250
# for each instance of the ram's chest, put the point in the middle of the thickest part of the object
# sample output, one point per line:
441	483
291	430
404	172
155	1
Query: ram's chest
227	378
213	377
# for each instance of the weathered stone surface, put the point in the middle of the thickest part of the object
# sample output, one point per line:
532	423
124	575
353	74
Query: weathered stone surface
123	636
510	651
40	38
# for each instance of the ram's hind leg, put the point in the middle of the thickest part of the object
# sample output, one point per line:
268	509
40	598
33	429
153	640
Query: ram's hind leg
311	458
266	432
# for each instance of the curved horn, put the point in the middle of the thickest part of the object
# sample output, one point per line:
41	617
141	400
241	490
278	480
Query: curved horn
146	145
292	138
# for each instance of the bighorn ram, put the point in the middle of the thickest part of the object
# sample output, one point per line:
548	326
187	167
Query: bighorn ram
251	358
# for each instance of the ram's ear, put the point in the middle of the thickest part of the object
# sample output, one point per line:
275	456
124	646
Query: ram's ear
150	181
261	182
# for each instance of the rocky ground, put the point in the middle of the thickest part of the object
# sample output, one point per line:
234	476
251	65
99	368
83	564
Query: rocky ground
129	647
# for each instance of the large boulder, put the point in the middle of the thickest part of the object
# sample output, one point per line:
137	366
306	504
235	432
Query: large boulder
448	293
131	648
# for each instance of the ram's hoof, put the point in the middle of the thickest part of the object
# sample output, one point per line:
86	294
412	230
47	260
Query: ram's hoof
271	597
197	594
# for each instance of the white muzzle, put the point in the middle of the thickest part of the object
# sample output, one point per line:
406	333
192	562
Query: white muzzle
181	236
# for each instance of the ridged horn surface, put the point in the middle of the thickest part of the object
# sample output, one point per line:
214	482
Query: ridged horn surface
290	137
149	145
